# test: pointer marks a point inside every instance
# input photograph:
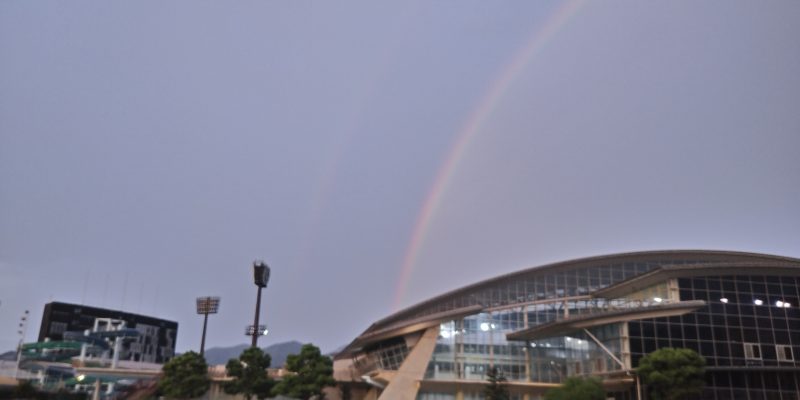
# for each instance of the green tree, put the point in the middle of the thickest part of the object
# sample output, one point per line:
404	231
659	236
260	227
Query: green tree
577	388
672	374
310	373
249	374
496	389
185	376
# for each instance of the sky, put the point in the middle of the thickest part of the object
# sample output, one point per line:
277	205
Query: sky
376	154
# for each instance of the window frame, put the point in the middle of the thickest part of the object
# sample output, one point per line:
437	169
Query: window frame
780	351
749	354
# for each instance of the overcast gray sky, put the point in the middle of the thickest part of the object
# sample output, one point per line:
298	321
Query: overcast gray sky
151	150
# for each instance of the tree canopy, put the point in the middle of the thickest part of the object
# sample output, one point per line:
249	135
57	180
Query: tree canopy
672	374
249	374
496	389
185	376
310	372
577	388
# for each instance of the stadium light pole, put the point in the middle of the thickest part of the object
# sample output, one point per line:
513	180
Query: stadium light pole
260	278
205	306
23	327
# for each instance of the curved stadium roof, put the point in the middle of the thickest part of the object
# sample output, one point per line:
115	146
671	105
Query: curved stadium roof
482	295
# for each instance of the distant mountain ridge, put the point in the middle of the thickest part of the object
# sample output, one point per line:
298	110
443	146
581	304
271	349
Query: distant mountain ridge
278	352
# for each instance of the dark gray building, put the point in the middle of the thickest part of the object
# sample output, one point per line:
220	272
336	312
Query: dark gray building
592	317
155	342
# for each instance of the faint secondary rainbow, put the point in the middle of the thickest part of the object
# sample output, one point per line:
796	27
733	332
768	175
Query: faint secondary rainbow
470	129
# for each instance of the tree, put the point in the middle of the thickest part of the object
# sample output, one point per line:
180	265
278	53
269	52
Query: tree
311	372
672	374
249	374
577	388
185	376
496	389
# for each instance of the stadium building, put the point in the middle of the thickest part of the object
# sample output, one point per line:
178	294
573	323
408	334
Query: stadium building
591	317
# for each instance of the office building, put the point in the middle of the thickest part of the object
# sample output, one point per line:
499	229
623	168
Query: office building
155	342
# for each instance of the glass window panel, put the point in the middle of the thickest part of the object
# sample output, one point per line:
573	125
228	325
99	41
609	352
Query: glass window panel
788	382
728	287
690	331
704	332
768	352
749	335
707	349
781	336
720	333
759	288
774	289
722	349
699	284
675	331
649	345
770	380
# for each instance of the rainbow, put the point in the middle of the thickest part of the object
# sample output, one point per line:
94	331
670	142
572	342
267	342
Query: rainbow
470	129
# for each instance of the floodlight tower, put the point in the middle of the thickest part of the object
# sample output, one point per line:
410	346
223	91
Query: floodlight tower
260	277
205	306
23	327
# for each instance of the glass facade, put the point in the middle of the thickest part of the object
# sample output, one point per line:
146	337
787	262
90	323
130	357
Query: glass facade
748	331
389	354
466	348
539	284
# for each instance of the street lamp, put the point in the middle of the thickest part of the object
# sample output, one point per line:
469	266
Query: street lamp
260	278
205	306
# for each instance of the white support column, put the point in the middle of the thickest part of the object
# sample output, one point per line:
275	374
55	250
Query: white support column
117	347
96	394
527	345
83	354
624	368
674	290
625	345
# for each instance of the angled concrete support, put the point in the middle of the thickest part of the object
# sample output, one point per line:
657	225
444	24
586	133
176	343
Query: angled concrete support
405	384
